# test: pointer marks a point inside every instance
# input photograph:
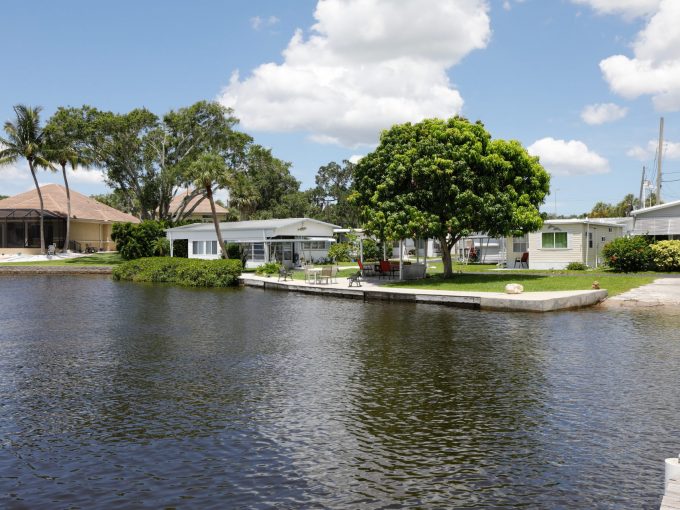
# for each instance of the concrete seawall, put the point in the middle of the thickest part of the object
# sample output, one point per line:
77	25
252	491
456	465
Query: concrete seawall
528	302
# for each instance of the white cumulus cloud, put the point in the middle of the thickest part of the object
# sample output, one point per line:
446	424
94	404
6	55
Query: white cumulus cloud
366	64
84	176
654	68
603	112
573	157
671	150
627	8
10	174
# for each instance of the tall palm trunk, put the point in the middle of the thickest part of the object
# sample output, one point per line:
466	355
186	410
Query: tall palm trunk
68	205
42	214
223	248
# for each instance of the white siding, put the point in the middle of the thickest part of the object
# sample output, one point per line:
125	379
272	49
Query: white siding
556	258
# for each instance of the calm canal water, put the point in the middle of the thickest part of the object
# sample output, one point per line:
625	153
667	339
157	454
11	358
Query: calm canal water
117	395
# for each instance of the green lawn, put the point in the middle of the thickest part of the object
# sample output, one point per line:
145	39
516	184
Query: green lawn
495	282
98	259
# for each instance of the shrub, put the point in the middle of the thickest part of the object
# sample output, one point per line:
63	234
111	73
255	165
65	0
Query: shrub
371	250
666	255
340	252
576	266
628	254
135	241
161	247
268	269
186	272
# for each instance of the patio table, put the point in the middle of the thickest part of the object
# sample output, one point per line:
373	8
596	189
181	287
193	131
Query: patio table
316	271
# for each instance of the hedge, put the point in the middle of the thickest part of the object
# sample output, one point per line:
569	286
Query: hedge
186	272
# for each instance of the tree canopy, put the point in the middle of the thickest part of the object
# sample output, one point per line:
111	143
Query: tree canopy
447	179
146	159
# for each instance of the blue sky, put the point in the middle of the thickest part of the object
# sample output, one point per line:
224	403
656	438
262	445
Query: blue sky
317	80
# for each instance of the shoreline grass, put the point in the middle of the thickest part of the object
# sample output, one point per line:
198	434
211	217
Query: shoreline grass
613	283
97	259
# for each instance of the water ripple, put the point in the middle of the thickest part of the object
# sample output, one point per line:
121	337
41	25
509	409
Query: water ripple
132	396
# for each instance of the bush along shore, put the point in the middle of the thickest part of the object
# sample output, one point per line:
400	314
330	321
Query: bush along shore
180	271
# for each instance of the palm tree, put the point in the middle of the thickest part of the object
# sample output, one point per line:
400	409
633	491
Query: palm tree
25	139
208	170
244	196
61	147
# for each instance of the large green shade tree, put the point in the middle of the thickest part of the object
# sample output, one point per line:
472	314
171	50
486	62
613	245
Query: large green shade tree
447	179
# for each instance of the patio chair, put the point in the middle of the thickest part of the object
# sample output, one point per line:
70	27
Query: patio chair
523	261
385	269
354	279
285	274
334	274
365	270
51	250
326	274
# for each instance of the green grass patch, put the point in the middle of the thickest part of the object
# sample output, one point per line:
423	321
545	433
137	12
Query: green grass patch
615	284
98	259
180	271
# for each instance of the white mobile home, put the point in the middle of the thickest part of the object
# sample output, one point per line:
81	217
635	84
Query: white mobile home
560	242
661	221
288	241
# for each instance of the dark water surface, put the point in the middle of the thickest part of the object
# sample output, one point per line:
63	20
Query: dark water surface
117	395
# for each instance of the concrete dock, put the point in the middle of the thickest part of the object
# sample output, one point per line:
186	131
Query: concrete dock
661	292
371	291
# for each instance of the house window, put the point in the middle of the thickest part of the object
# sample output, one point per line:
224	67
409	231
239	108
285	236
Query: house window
315	245
519	244
554	240
204	247
258	251
590	239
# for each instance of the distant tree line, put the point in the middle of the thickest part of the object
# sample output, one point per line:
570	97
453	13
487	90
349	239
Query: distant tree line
621	209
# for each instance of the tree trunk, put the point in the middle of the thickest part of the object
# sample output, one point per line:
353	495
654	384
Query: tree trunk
216	222
42	214
68	206
446	257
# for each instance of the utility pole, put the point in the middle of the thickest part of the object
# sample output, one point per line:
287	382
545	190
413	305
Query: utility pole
659	158
642	189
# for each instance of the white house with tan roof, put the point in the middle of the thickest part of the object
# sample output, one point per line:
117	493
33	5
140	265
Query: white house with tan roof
199	207
91	221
